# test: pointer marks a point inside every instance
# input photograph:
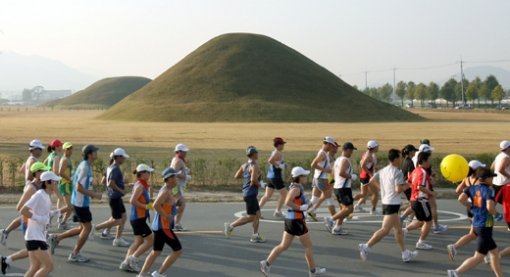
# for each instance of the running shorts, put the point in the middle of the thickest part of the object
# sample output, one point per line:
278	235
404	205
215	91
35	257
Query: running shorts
252	205
276	183
65	189
421	209
344	196
117	207
295	227
390	209
83	214
34	245
162	237
408	193
484	240
320	184
140	227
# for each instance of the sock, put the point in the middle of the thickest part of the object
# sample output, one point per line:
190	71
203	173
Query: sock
312	270
268	264
8	260
230	225
420	241
7	231
366	244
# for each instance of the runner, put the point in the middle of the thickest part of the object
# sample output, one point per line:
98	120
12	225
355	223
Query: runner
179	163
251	175
140	206
322	190
392	184
407	167
483	207
501	166
162	227
80	199
469	181
295	225
116	190
331	181
344	177
424	146
65	185
368	166
38	211
53	162
275	177
36	148
420	181
36	169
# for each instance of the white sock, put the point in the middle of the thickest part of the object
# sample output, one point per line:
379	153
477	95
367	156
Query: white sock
8	260
314	200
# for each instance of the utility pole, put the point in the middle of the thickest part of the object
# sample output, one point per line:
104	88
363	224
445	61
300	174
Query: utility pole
366	80
394	84
462	82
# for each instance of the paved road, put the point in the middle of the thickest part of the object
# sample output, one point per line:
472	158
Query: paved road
208	253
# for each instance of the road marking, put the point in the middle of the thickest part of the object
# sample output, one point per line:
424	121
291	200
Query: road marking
200	232
15	274
323	212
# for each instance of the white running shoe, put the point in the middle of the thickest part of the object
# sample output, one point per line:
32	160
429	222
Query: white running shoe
157	274
53	243
452	273
408	256
363	251
257	238
3	236
328	222
339	231
278	214
121	243
487	259
133	263
359	208
78	258
105	234
228	230
92	234
438	229
264	268
179	228
452	251
124	266
423	245
318	271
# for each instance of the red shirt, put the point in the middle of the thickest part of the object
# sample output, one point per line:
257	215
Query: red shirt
419	178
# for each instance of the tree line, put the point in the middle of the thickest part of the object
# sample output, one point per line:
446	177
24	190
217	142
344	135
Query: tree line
451	91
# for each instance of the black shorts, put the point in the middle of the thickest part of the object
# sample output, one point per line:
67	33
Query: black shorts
34	245
252	205
83	214
276	183
140	227
390	209
422	210
408	193
364	181
162	237
344	196
295	227
484	240
117	207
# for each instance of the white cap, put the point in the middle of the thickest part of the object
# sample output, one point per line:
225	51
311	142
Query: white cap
504	145
35	144
119	152
144	167
372	144
330	140
476	164
49	175
299	171
425	148
181	148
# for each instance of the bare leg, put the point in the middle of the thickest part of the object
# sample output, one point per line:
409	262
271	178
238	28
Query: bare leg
15	223
146	245
307	244
243	220
256	222
425	230
465	239
149	261
21	254
505	252
84	235
342	214
279	249
387	225
433	209
180	210
46	263
281	199
266	197
120	227
169	261
374	198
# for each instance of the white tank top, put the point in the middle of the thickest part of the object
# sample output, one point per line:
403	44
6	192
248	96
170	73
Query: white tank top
341	182
326	163
500	179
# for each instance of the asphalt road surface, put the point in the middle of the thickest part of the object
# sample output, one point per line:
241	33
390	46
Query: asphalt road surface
208	253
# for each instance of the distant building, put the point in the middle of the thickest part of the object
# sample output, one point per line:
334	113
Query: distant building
38	95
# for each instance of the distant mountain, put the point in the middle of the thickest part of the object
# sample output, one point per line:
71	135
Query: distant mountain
19	71
501	74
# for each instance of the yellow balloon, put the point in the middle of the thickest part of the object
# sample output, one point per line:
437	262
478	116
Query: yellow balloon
454	168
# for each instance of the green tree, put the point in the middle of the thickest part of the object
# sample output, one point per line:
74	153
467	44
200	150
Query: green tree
447	91
498	94
472	91
410	92
401	91
491	82
484	92
384	92
420	93
432	91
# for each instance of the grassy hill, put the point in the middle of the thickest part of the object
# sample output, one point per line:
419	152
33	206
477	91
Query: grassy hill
245	78
101	94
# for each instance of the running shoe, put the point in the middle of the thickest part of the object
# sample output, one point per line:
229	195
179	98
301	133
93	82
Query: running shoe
143	275
228	230
452	273
120	243
92	234
264	268
317	271
3	236
452	251
133	264
257	238
440	229
498	217
53	243
408	256
63	226
78	258
328	222
278	214
405	232
313	215
339	231
5	265
363	251
124	266
423	246
359	208
106	235
178	227
487	259
157	274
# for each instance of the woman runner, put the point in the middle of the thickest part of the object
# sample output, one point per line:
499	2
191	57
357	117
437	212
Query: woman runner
275	177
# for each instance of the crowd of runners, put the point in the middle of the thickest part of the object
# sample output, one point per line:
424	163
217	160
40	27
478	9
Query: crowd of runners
407	175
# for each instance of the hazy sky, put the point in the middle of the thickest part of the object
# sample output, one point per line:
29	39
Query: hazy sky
128	37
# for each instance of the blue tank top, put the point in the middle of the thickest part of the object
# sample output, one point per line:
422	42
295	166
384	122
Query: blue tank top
272	172
162	223
298	200
248	189
136	212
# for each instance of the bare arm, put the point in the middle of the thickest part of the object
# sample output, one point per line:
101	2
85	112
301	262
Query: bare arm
62	169
315	163
113	185
343	169
289	200
92	194
364	162
503	166
24	198
137	191
56	165
239	173
158	203
491	207
273	160
255	173
177	163
463	199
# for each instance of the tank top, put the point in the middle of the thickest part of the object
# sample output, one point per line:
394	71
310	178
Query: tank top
68	172
298	200
275	173
161	223
326	163
51	159
500	179
341	182
370	165
28	174
248	189
136	212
